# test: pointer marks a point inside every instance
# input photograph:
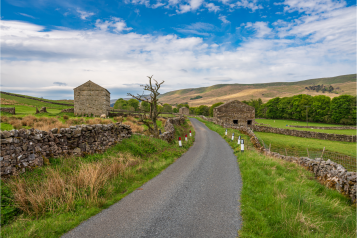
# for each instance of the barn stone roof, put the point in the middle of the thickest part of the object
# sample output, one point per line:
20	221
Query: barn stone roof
91	83
232	101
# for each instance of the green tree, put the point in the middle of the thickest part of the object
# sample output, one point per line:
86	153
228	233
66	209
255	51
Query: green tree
320	108
121	104
145	106
183	105
167	108
212	107
343	109
133	103
192	110
175	110
202	110
273	110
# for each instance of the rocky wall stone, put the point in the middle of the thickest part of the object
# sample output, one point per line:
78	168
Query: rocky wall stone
8	110
327	127
68	110
23	149
169	134
306	134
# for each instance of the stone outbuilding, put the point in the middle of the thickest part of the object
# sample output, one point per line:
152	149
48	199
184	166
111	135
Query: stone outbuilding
184	111
235	113
91	99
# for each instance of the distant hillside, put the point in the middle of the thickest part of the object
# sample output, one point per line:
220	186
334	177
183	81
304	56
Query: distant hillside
11	99
344	84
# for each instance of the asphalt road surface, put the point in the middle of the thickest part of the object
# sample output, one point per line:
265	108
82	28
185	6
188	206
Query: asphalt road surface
197	196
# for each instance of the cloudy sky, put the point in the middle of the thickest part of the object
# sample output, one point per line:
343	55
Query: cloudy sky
48	47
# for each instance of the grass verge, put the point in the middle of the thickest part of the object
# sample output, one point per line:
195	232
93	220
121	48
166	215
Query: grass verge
54	199
281	199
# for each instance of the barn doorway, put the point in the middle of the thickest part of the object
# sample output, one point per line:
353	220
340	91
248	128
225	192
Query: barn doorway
235	121
249	122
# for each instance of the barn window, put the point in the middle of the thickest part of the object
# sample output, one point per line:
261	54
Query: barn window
235	121
249	122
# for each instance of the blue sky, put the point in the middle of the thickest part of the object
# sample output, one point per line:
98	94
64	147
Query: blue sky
50	47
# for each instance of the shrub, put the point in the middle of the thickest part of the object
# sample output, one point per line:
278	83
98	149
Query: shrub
65	117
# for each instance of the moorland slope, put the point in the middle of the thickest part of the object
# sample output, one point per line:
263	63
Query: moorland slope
344	84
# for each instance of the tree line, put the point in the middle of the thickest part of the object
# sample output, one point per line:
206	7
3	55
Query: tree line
340	110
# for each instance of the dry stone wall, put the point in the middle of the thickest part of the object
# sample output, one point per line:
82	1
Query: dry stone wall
327	128
68	110
306	134
169	134
23	149
331	174
8	109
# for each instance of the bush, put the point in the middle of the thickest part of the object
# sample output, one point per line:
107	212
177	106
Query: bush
65	117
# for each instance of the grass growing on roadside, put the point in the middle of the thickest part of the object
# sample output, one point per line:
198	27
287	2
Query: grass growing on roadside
280	142
282	199
282	124
56	198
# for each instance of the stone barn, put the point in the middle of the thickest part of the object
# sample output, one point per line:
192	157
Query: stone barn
184	111
235	113
91	99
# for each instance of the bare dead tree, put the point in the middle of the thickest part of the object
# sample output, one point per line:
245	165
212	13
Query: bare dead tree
153	88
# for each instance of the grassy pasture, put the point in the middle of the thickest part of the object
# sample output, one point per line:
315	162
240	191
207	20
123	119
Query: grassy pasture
282	199
18	101
31	207
292	143
336	151
282	124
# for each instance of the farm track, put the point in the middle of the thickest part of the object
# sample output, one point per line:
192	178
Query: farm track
197	196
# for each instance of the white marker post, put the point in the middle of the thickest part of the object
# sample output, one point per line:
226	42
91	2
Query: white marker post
242	146
190	133
226	131
180	143
238	140
233	136
186	137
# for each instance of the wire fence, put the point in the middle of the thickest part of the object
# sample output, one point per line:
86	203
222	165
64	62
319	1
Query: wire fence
347	161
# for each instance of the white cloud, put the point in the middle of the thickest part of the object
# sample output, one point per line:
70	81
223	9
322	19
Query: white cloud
191	6
252	4
212	8
26	15
309	47
198	28
223	19
315	6
84	15
117	24
261	28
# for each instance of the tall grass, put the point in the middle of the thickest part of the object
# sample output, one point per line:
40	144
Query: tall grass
74	180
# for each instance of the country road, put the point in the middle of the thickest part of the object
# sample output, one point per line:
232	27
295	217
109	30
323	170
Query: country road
197	196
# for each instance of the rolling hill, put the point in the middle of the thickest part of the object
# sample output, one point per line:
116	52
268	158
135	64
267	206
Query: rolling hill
346	84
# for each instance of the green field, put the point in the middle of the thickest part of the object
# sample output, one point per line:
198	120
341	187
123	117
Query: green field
27	110
28	101
40	212
336	151
282	199
282	124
